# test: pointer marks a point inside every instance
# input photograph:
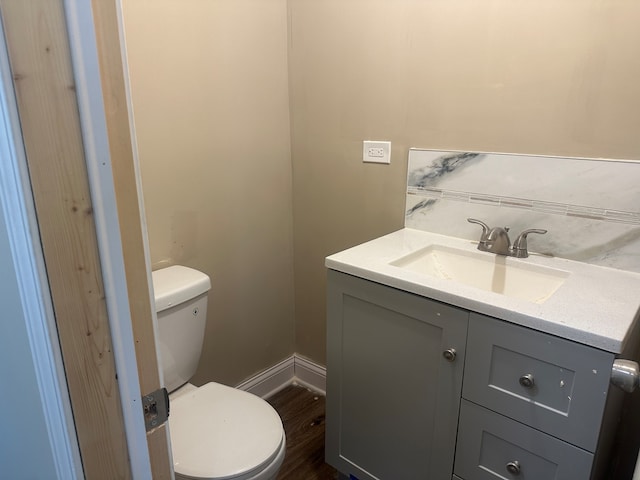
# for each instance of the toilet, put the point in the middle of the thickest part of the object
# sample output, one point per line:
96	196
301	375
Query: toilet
217	432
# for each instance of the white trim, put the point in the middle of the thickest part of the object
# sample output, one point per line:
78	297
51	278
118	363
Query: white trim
84	54
292	370
24	239
272	380
310	374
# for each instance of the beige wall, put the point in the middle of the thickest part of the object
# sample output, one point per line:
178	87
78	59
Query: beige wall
550	77
210	93
209	89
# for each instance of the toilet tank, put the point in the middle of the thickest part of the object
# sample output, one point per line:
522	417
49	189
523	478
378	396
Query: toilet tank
181	304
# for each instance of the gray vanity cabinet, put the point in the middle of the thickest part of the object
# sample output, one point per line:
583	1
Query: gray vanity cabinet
530	405
394	380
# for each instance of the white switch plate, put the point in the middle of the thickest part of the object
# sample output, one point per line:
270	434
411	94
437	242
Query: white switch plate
376	152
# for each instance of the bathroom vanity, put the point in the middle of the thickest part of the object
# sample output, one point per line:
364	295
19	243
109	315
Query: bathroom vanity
436	373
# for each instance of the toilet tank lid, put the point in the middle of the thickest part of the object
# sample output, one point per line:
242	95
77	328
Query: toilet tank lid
177	284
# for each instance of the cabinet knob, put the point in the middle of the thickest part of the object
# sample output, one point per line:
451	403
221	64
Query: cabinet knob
527	381
513	467
449	354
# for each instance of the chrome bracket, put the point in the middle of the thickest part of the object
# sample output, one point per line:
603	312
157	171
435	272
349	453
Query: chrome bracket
155	406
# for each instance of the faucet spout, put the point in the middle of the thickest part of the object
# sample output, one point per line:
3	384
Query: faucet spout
498	241
493	240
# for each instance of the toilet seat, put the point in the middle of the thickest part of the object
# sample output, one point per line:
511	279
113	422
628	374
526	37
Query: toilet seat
219	432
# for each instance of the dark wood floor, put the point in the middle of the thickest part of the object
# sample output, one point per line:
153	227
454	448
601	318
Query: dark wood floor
302	413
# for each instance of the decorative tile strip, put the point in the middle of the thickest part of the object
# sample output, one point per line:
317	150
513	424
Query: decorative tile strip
484	199
624	217
554	208
519	203
451	195
549	207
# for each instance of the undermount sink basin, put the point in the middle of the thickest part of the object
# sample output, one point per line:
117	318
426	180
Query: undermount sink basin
486	271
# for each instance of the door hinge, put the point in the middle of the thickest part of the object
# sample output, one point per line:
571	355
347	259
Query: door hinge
155	406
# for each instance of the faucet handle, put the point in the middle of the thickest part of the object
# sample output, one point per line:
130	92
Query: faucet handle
519	248
485	228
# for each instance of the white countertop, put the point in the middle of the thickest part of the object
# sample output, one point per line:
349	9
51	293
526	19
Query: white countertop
595	306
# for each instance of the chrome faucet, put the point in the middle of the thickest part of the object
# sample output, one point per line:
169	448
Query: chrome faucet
496	240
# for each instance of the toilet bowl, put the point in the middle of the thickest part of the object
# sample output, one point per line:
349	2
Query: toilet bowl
217	432
239	438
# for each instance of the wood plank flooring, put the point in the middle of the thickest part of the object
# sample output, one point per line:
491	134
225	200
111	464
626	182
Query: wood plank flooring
303	416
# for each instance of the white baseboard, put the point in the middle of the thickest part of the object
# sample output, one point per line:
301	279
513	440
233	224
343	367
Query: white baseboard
294	369
310	374
272	380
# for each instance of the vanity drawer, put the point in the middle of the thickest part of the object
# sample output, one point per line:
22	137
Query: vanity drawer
491	447
551	384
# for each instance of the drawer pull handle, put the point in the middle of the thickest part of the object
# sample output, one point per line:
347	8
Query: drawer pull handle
513	467
450	354
527	381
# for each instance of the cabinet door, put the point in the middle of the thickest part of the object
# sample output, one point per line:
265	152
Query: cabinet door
392	397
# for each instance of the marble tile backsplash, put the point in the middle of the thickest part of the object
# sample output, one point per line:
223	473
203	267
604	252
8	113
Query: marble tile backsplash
591	208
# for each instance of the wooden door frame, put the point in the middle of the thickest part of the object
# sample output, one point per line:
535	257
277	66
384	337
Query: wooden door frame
84	53
77	120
